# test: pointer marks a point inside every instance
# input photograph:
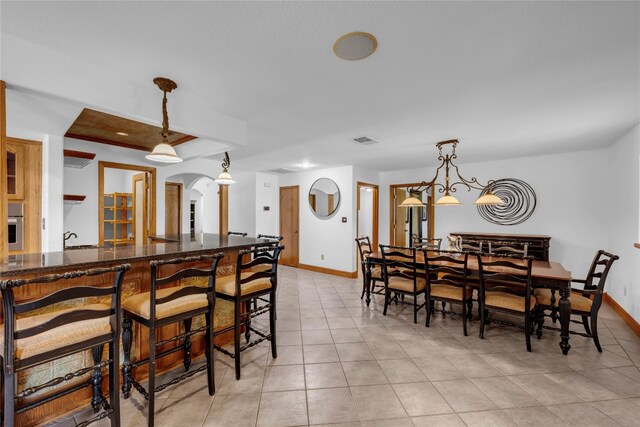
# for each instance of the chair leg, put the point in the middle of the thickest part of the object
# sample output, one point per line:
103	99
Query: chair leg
464	318
444	307
554	307
540	312
415	308
186	361
272	324
236	335
114	379
427	306
585	323
152	377
247	326
9	395
126	350
211	377
386	302
96	379
527	331
482	320
364	285
594	331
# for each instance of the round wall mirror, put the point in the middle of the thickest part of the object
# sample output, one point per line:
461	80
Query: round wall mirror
324	198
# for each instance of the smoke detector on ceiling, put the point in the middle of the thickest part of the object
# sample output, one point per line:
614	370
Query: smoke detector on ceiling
365	140
282	170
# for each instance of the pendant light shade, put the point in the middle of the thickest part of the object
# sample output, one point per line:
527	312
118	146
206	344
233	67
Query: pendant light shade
447	200
225	178
489	199
412	202
164	153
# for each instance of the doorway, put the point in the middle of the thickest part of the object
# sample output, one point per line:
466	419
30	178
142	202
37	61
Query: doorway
367	220
289	223
405	223
172	208
126	204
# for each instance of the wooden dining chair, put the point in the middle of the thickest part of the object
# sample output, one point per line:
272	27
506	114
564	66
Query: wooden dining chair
423	242
469	245
243	287
585	302
37	332
517	249
400	275
506	286
174	298
446	276
375	274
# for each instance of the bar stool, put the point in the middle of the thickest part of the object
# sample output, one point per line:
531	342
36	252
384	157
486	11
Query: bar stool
34	340
243	287
161	307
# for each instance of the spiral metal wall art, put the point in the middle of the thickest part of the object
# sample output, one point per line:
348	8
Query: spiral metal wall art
519	202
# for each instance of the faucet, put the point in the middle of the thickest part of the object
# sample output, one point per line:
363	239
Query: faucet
68	235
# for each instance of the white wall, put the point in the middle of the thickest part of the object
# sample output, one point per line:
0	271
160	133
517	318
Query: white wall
267	195
52	185
622	198
569	189
242	203
118	180
329	237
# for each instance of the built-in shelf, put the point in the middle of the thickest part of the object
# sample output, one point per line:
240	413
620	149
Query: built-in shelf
73	199
77	159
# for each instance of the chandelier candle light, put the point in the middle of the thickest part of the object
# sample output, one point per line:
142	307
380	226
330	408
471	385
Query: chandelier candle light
446	162
163	152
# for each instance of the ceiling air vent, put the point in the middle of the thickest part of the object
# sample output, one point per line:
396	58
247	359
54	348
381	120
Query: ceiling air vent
365	140
282	170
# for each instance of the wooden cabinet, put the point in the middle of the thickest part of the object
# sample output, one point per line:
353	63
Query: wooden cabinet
16	156
118	220
538	245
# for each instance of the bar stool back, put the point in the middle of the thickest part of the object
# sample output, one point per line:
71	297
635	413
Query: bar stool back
161	307
246	285
31	341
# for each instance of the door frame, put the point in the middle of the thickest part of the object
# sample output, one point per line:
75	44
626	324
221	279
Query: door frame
297	214
179	186
392	208
152	185
375	213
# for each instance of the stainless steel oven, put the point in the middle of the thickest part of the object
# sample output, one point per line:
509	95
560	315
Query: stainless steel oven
16	229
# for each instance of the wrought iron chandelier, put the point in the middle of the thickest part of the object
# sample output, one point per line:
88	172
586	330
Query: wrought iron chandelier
449	187
164	152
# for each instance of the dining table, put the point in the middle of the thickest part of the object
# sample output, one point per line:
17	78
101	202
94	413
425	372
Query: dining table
544	274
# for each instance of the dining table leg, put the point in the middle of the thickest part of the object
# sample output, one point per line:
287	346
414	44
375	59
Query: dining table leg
565	317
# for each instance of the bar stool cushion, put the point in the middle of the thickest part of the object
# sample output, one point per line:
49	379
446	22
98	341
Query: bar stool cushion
406	285
227	284
71	333
449	292
139	304
578	302
507	301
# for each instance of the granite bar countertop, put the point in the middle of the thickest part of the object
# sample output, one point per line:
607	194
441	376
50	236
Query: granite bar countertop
87	258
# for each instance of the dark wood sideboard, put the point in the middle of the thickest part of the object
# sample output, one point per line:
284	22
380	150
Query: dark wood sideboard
538	244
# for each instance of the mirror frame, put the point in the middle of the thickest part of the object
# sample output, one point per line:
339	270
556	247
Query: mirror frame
337	207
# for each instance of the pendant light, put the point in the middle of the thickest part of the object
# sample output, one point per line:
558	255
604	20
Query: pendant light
446	163
163	152
225	177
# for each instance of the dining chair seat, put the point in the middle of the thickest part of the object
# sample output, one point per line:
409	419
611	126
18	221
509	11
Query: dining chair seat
449	292
507	301
578	302
227	284
376	273
139	304
62	336
397	283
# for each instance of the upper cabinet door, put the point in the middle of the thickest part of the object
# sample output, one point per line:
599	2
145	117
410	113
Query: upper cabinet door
15	171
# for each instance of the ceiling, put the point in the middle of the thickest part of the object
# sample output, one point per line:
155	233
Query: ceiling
507	79
104	128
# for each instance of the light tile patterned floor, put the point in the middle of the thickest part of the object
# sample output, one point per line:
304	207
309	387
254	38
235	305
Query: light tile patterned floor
340	362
